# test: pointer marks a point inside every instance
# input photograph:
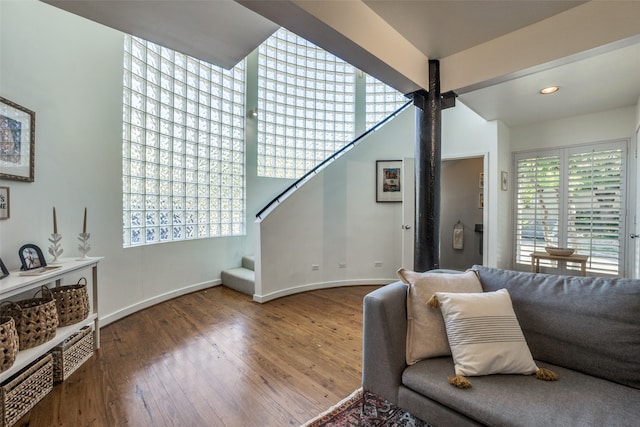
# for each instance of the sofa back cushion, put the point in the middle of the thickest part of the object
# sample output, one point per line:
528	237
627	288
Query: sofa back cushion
589	324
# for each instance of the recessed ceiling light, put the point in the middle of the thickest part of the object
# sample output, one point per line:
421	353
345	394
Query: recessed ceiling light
548	90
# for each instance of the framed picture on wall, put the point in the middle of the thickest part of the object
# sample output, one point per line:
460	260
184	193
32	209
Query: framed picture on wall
5	212
17	141
388	178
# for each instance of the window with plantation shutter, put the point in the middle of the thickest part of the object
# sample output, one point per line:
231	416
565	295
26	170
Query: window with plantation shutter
572	197
537	204
595	207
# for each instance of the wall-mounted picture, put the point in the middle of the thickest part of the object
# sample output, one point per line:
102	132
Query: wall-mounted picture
388	177
504	180
481	180
4	272
31	257
5	213
481	200
17	141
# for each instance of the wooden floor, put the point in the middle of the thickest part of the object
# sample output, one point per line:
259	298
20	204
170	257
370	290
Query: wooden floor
216	358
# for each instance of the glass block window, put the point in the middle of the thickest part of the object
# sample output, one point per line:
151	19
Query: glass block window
381	101
306	105
183	146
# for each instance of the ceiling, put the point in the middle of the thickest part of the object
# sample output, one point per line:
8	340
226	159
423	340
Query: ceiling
495	55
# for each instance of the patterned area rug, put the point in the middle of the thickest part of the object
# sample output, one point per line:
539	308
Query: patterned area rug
365	409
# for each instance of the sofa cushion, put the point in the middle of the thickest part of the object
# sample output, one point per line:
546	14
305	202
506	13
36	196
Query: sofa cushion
589	324
426	335
518	400
484	334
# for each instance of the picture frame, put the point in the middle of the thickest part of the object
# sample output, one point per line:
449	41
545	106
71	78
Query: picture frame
5	211
31	257
481	200
4	272
388	181
17	141
504	180
481	180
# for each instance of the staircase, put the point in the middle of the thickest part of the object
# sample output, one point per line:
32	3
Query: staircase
243	278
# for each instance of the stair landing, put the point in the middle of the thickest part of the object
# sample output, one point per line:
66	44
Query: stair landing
241	279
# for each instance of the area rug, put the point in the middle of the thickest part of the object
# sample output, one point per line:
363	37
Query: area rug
365	409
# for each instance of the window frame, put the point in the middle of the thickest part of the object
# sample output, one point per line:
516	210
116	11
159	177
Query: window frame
563	231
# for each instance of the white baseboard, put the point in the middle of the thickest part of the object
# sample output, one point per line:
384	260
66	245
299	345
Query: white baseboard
124	312
321	285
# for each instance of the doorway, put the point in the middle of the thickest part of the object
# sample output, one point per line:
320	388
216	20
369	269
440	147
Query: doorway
461	213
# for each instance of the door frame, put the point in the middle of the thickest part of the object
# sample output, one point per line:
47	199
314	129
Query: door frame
487	194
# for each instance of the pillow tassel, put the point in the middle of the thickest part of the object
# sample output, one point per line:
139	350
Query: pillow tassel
460	381
433	302
546	374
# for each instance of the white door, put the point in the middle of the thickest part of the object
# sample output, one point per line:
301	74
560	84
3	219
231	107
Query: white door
634	234
408	211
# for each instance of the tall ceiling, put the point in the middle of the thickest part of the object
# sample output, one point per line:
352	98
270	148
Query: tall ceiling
495	55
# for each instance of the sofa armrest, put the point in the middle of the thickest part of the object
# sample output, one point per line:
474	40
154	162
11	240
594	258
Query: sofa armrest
384	340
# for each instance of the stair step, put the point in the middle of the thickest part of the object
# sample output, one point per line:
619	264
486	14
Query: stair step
248	262
241	279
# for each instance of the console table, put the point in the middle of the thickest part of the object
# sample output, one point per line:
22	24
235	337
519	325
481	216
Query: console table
16	284
537	256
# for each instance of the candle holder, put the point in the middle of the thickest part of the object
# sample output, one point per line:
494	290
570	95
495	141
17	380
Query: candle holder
55	249
84	247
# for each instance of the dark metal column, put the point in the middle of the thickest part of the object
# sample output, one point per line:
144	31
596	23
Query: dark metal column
427	173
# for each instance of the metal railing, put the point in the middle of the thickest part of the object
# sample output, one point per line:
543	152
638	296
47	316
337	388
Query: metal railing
276	200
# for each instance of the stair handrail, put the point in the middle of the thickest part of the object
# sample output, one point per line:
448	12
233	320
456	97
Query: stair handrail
331	158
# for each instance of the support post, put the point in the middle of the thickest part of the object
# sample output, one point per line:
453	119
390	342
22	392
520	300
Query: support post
427	172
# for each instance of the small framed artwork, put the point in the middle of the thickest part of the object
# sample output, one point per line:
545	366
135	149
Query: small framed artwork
388	174
481	180
5	213
17	141
4	272
481	200
504	180
31	257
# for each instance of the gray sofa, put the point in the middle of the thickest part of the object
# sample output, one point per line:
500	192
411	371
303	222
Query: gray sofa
586	329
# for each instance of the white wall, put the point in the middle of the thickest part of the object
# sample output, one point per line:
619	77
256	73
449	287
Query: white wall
69	71
502	245
335	219
603	126
465	134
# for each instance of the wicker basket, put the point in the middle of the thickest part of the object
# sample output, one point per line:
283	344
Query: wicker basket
8	342
72	353
72	302
36	320
26	389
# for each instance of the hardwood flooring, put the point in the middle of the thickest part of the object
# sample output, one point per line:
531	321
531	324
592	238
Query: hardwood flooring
216	358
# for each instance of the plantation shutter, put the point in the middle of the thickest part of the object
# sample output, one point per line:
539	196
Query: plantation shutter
537	204
595	207
573	197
